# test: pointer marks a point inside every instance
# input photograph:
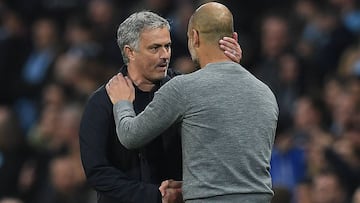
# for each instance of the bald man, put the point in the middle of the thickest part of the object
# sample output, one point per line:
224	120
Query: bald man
227	116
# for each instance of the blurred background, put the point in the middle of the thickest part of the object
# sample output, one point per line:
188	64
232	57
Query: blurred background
55	53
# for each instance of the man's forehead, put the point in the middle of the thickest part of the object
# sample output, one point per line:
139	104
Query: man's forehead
156	35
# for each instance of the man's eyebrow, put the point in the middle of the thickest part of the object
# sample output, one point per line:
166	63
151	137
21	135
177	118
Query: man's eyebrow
159	45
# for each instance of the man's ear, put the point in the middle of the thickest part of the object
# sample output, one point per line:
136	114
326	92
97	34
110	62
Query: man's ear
196	40
129	52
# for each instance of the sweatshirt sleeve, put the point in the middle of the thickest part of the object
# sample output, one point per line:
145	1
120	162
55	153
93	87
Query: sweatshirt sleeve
166	108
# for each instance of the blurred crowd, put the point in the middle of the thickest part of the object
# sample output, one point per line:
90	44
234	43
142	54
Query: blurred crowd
55	53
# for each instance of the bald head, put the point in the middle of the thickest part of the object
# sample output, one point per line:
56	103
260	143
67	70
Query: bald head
213	21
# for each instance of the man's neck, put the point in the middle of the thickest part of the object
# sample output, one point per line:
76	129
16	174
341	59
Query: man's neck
139	81
216	55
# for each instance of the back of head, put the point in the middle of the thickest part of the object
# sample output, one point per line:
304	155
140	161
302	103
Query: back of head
213	21
130	30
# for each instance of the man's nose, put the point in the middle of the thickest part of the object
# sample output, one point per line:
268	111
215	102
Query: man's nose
165	53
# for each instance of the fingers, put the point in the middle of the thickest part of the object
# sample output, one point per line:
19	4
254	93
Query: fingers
232	56
120	78
173	195
115	79
129	82
170	184
162	191
111	81
174	184
231	47
238	48
228	44
165	183
120	88
163	187
235	36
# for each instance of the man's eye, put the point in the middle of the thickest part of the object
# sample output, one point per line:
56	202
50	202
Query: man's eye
153	49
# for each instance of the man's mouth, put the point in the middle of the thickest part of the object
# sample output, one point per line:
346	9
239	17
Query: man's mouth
163	65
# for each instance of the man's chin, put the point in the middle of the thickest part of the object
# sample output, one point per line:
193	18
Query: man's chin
160	75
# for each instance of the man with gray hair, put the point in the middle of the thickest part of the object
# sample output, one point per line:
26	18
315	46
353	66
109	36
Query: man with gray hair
117	174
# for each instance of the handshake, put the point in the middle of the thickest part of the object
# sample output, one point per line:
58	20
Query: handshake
171	191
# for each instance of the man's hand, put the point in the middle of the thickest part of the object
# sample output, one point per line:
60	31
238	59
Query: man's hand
231	47
120	88
171	191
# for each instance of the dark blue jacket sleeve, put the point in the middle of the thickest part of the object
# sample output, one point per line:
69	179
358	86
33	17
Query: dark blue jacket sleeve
109	181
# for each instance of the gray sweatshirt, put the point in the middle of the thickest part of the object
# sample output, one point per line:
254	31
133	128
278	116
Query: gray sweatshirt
228	121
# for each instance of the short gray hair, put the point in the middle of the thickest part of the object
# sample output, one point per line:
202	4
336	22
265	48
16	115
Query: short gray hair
129	31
